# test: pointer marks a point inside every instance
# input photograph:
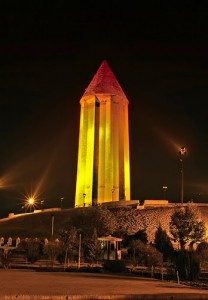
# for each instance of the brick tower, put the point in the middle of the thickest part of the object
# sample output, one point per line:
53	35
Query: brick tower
103	169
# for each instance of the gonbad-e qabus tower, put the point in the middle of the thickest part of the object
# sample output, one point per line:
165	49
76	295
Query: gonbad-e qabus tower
103	169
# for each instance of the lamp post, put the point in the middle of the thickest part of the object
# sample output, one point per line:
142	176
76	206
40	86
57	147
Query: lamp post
31	202
62	199
164	192
79	250
25	208
41	204
84	195
52	226
112	193
182	153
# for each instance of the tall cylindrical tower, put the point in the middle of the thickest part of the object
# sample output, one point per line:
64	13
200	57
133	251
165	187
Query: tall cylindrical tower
103	169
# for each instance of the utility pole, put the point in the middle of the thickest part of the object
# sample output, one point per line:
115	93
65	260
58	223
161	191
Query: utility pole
79	254
164	192
84	195
182	152
62	199
52	226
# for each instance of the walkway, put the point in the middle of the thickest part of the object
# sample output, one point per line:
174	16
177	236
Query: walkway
27	284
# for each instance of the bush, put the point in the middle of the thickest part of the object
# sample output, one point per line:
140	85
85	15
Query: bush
87	269
116	266
202	251
188	265
5	259
48	269
90	269
142	254
32	249
163	244
61	257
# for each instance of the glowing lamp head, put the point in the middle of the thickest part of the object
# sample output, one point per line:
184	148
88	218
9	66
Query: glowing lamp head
182	151
31	201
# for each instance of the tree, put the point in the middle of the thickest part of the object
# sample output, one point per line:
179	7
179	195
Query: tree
32	248
52	249
144	254
93	247
5	258
68	238
99	217
163	243
140	235
185	226
187	265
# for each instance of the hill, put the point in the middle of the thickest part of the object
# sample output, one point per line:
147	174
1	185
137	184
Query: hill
128	218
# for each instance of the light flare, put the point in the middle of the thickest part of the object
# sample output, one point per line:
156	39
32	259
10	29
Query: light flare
32	199
7	180
170	141
31	202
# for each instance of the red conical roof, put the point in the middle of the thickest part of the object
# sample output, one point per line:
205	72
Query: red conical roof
104	82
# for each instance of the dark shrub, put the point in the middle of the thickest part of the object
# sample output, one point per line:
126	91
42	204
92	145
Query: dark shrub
5	259
144	254
163	244
188	265
91	269
61	257
116	266
86	269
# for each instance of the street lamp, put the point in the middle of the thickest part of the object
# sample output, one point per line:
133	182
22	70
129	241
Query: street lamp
182	153
41	204
164	192
31	202
52	226
84	195
62	199
112	193
79	251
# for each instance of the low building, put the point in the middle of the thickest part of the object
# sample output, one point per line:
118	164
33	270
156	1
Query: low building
111	247
155	202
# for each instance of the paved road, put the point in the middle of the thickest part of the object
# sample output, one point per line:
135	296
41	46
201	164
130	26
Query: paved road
27	282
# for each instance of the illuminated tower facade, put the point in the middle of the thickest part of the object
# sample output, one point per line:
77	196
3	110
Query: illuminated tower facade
103	169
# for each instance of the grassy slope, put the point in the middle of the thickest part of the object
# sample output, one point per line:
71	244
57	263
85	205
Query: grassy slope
35	225
40	224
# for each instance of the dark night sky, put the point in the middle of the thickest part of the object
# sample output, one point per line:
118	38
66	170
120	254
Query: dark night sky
158	51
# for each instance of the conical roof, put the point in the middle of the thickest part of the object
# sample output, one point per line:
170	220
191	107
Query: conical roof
104	82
